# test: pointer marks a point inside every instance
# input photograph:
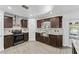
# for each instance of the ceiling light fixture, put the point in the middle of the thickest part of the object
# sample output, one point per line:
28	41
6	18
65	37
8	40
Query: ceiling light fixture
51	12
9	7
31	15
24	6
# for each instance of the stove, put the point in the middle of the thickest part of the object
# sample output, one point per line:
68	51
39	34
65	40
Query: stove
18	37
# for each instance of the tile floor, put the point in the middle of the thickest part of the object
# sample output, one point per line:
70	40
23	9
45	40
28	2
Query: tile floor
35	48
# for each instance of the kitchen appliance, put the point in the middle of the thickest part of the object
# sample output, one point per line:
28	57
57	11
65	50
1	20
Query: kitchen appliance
18	36
74	29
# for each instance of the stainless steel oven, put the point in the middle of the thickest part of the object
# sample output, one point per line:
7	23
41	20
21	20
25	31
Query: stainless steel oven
18	36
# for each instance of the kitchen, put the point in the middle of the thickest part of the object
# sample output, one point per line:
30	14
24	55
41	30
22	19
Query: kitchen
50	27
15	31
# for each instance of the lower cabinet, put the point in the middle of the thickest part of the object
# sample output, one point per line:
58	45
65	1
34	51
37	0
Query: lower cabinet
26	36
46	40
38	37
8	41
53	40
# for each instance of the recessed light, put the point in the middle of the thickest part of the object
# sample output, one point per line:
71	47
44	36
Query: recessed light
31	15
51	12
9	7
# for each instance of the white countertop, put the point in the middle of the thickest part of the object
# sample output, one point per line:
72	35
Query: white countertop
9	33
54	31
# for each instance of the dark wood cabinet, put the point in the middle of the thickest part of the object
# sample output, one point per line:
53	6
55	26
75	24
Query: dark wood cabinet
41	39
24	23
8	22
59	40
47	19
52	40
55	40
8	41
56	22
39	23
38	36
26	36
46	40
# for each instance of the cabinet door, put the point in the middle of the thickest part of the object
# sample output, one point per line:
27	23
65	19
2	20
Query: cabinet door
24	23
39	23
55	40
37	36
60	21
26	37
8	41
8	22
59	40
46	40
56	22
41	39
52	40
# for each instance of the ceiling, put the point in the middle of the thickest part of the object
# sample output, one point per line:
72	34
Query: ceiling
34	10
61	10
40	11
64	9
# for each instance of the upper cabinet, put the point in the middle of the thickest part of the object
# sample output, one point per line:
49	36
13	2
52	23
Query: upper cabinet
24	23
39	23
47	19
8	22
56	22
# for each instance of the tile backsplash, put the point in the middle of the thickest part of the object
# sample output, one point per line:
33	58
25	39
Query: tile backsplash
8	31
54	31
